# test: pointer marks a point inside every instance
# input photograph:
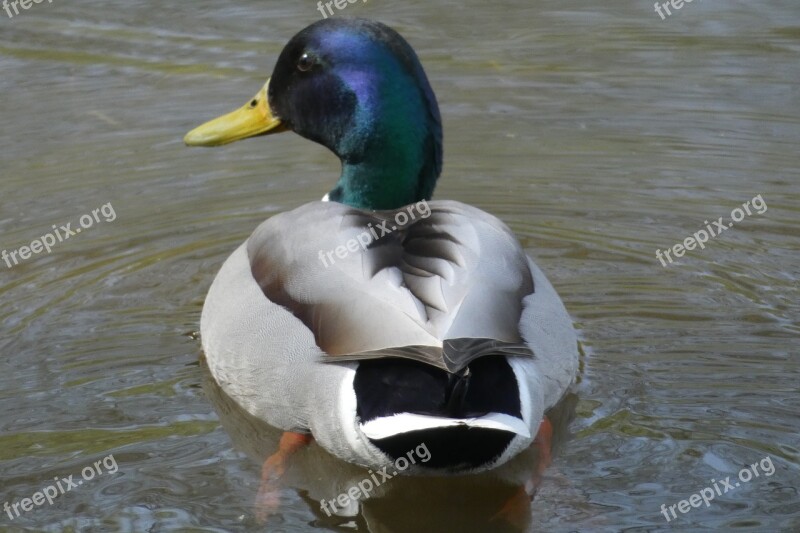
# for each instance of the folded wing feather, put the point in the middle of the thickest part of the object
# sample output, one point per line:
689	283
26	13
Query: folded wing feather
458	273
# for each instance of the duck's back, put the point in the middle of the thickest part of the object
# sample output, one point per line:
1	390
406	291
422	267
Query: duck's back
327	280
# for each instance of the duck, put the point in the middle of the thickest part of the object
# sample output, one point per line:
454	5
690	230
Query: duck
378	320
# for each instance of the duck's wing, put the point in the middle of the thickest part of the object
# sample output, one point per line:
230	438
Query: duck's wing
362	282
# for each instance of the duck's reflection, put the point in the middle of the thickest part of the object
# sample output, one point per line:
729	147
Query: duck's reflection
496	501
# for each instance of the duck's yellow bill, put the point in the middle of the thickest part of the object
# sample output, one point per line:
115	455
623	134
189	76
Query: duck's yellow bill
252	120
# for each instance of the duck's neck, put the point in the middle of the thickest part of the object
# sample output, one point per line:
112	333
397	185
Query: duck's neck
388	177
391	151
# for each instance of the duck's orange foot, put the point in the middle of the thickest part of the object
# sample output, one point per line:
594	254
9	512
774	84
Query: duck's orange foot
516	510
544	443
268	498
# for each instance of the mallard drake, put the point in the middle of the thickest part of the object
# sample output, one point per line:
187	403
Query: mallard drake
374	320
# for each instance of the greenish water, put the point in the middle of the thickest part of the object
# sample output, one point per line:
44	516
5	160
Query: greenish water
598	132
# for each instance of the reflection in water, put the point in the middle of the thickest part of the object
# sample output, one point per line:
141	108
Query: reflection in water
497	501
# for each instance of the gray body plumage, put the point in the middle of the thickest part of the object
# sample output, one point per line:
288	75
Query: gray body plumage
284	330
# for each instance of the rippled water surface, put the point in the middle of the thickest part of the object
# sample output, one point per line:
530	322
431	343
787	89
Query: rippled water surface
599	132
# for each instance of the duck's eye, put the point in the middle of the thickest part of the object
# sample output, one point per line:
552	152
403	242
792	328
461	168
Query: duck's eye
305	63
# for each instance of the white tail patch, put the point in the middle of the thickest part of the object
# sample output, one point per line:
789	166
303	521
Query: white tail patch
388	426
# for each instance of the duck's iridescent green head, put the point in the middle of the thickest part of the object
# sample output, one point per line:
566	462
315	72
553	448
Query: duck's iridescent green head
357	87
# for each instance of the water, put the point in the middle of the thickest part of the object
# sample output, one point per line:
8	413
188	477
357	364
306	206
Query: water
598	132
